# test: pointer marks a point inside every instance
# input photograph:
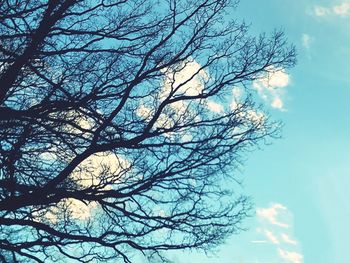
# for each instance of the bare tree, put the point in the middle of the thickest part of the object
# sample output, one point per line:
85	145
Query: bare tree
118	126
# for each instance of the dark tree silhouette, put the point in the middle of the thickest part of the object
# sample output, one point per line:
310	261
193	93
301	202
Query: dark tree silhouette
118	127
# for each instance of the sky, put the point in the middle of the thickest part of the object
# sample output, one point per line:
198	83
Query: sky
300	183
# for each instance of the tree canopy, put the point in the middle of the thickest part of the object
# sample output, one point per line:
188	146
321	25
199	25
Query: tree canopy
121	121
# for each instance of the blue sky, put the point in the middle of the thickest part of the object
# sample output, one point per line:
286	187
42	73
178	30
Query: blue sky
300	184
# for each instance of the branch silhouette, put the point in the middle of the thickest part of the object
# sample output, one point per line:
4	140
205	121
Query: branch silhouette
118	127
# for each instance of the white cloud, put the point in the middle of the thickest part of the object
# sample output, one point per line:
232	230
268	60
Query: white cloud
306	40
277	103
187	79
251	115
342	9
248	116
104	167
77	122
270	214
74	208
270	236
101	168
186	137
290	256
320	10
236	96
255	116
277	79
234	105
215	107
144	112
287	239
237	93
275	230
176	111
78	209
273	78
271	86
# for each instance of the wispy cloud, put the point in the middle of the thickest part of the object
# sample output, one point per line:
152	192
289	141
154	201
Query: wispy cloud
290	256
320	10
271	213
287	239
271	86
215	107
271	236
276	230
277	103
341	9
306	40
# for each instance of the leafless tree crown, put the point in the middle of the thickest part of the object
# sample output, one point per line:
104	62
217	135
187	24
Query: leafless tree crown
119	128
